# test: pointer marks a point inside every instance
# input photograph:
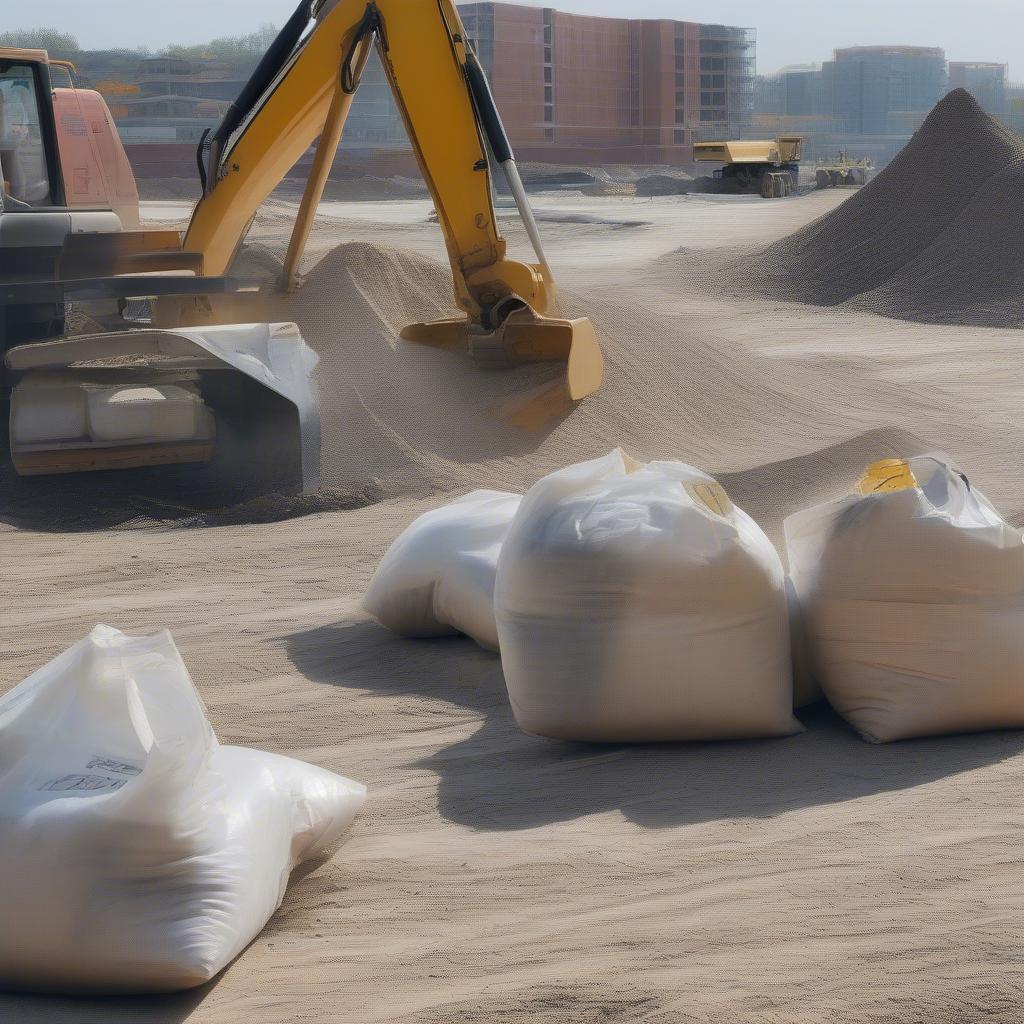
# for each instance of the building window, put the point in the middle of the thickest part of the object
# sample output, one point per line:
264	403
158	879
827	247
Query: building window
549	134
712	63
547	34
680	98
679	63
679	136
547	55
549	95
680	117
549	113
548	11
549	74
680	44
680	79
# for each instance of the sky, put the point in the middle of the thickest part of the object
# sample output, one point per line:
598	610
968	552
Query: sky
796	32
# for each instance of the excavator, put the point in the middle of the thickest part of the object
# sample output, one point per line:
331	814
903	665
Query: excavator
158	394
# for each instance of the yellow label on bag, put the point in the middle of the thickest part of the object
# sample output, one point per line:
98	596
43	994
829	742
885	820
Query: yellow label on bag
710	494
886	475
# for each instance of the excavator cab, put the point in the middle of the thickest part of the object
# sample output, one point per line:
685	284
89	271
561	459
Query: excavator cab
70	238
26	181
63	173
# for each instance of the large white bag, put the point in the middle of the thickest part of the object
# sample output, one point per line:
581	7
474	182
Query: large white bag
636	602
912	590
438	576
136	853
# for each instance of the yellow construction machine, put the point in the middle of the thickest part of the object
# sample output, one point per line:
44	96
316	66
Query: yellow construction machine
155	395
842	172
768	167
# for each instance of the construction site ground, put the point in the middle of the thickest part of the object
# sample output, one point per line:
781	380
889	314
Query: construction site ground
494	876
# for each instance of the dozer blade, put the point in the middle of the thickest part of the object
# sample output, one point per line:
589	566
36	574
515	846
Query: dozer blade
524	337
239	397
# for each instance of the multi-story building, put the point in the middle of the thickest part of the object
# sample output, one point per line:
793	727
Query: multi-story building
769	96
570	88
208	79
886	90
614	90
1015	107
986	82
573	88
807	90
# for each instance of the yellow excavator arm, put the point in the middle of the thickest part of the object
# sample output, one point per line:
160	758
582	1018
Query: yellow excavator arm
302	91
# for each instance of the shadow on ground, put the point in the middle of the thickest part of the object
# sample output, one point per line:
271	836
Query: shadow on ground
500	778
163	1009
242	484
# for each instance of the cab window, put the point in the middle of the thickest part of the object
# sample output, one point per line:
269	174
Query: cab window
22	154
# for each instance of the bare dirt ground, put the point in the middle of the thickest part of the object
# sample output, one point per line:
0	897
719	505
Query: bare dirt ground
495	877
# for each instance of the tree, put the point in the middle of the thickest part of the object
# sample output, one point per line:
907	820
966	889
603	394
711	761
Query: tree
50	39
248	48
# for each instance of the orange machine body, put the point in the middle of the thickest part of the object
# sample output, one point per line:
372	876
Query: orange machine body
94	165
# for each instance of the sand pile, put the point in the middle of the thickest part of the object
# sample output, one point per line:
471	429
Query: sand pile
937	182
400	418
973	273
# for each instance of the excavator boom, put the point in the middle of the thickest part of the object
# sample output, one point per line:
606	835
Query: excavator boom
303	91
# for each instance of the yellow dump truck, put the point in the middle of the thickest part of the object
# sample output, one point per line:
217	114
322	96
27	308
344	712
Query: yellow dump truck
770	167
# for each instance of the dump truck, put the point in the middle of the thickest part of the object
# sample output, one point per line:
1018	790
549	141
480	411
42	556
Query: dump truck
766	167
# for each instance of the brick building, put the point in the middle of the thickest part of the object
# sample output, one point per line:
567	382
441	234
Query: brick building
570	88
575	88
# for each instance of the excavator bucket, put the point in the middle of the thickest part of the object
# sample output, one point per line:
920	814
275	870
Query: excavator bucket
240	398
525	337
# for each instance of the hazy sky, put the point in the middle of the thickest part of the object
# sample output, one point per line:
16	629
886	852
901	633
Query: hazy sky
797	31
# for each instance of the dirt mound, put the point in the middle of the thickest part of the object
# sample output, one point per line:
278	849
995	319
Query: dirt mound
409	419
774	490
973	273
889	223
539	179
259	263
392	411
